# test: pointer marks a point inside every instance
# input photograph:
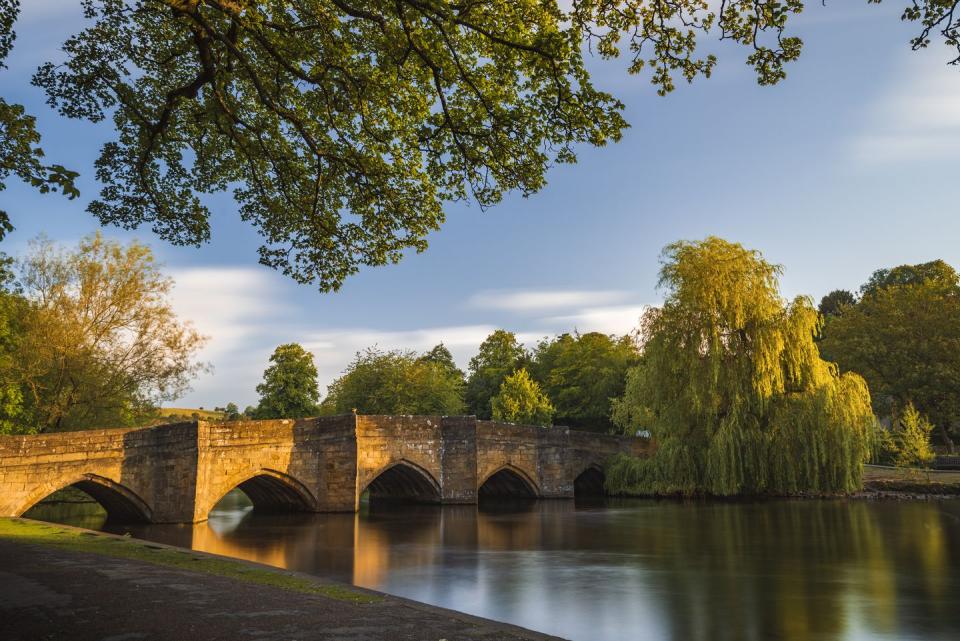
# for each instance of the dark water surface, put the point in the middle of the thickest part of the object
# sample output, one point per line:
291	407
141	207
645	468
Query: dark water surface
784	570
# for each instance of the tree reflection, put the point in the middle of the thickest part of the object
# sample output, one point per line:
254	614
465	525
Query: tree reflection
698	571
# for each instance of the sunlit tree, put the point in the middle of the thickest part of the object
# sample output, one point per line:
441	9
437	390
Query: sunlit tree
903	337
398	382
289	387
582	374
737	396
344	127
97	341
520	400
499	355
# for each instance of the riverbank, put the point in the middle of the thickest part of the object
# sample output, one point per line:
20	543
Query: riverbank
881	481
62	582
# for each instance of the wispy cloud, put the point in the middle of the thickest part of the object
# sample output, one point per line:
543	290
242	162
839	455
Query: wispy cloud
241	313
227	304
539	300
917	118
246	315
614	319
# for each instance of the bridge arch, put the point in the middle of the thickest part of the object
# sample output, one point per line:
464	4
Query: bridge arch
404	480
589	483
270	491
508	481
120	502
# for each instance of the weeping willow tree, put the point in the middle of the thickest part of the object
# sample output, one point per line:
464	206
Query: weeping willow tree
732	387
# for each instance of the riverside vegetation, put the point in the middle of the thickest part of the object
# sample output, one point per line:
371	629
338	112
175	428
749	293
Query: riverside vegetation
344	134
725	376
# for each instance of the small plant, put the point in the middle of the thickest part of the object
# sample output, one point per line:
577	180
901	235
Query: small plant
911	440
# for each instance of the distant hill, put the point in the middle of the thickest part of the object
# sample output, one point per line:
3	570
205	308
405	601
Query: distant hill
186	413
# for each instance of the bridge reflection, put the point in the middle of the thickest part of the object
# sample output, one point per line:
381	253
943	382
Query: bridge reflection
366	547
701	571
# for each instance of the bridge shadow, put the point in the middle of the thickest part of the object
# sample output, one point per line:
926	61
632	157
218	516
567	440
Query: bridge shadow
402	482
91	501
507	485
589	484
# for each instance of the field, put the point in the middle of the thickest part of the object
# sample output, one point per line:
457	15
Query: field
188	412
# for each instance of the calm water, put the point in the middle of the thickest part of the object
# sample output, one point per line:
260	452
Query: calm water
789	570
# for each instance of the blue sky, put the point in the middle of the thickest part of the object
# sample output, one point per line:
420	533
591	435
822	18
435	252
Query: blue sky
843	168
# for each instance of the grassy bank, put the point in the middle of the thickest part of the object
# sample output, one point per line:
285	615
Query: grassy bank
879	481
879	478
77	540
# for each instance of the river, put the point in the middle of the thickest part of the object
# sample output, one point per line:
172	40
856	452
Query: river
624	569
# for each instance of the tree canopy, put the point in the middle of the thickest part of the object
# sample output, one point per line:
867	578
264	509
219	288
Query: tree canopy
500	354
343	127
398	382
520	400
903	337
89	338
582	374
289	387
835	302
935	273
737	397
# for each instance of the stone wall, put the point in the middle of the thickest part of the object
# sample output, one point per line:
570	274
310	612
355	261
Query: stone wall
178	472
458	459
412	444
504	446
151	471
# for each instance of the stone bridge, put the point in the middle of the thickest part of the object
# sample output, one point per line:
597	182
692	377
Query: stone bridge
177	473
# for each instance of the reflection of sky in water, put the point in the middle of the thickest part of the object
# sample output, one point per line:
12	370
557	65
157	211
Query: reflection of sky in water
786	570
229	512
571	594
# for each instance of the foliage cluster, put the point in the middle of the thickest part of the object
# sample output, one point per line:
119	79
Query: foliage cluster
289	387
903	336
732	387
907	443
520	400
577	375
398	382
344	128
88	338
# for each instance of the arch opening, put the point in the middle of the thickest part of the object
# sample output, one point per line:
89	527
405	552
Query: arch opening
272	493
404	483
589	484
90	502
507	483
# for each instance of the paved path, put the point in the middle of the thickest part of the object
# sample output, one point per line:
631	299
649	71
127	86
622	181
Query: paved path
51	594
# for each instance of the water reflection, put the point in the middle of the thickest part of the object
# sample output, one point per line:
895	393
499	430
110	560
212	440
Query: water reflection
789	570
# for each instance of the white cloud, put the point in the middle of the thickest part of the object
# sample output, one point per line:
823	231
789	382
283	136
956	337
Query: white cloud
238	310
247	314
537	300
917	118
227	304
614	319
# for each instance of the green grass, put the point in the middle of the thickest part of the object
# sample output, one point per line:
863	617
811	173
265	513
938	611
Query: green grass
75	540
